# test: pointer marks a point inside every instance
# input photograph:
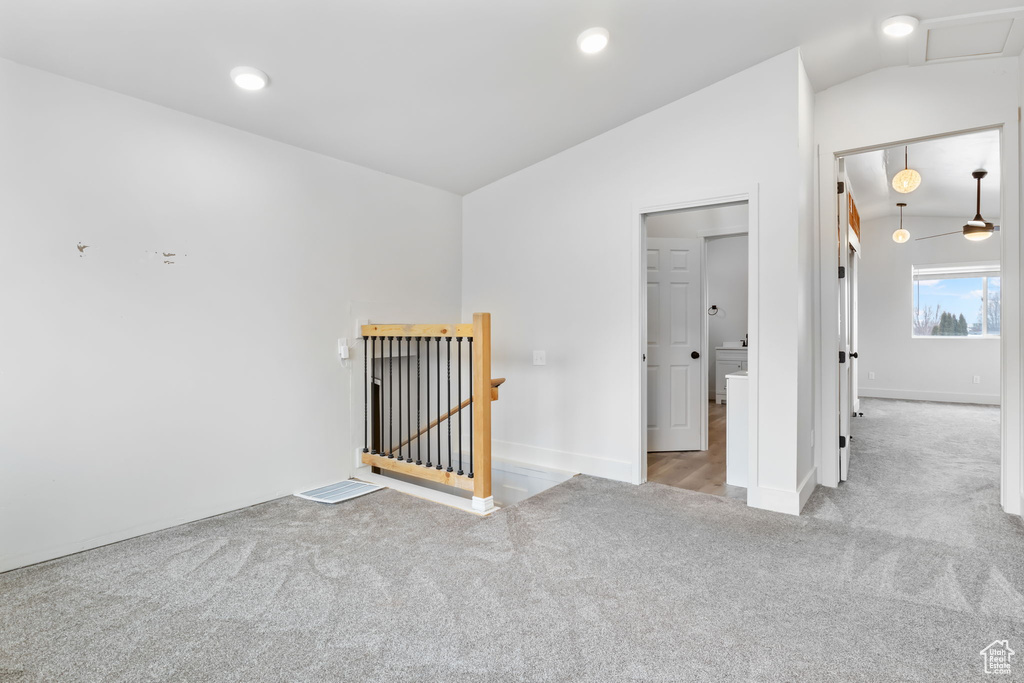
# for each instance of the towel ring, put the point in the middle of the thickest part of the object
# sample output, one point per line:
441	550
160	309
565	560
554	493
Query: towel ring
713	310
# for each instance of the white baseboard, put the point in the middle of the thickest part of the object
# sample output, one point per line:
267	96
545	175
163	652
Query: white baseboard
807	487
938	396
786	502
562	460
477	506
72	547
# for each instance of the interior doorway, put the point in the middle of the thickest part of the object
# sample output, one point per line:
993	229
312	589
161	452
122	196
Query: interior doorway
920	307
696	264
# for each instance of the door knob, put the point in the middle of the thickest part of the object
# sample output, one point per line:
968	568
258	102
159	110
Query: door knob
695	355
854	355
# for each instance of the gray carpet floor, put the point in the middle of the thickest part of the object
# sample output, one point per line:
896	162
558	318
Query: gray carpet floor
904	573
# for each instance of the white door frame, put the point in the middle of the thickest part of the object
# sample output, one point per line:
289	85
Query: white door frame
1011	384
705	236
638	238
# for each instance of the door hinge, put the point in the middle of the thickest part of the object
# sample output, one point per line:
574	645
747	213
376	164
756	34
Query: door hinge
842	356
842	272
841	187
842	442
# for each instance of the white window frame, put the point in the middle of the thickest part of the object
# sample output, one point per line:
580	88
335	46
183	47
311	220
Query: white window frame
950	271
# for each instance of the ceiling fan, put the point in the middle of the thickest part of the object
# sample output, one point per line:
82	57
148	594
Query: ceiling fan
976	229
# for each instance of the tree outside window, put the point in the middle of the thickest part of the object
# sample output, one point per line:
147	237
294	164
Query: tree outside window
957	300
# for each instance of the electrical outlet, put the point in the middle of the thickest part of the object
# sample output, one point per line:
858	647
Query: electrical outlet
540	358
977	379
871	375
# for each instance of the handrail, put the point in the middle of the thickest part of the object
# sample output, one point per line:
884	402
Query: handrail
495	383
484	390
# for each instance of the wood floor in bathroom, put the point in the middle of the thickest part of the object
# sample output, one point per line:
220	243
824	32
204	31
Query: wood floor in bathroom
702	471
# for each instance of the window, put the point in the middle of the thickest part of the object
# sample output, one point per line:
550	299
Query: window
960	300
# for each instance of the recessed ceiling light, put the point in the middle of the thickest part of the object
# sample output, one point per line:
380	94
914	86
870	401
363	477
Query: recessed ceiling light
248	78
900	26
593	40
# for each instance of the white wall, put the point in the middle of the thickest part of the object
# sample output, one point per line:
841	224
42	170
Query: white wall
727	289
804	290
694	222
138	395
899	104
937	369
553	252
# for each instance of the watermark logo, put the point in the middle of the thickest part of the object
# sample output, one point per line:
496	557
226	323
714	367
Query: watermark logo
998	656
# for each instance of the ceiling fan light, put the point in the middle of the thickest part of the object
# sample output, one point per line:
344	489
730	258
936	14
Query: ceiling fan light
900	236
906	181
977	233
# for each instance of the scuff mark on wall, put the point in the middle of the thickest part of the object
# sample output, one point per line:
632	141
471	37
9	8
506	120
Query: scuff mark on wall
81	249
167	256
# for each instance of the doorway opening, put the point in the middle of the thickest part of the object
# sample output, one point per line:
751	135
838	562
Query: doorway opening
920	320
696	265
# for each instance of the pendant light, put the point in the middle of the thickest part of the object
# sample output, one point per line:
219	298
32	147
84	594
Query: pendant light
978	229
902	235
908	179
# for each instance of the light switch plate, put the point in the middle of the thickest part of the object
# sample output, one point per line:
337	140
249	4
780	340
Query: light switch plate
540	358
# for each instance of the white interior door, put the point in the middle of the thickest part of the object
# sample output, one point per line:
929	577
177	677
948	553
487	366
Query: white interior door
854	331
845	376
674	364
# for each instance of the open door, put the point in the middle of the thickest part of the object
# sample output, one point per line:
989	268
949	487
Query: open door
844	360
854	276
675	370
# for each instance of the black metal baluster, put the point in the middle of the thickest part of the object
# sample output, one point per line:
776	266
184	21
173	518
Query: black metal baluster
400	432
391	401
438	340
373	370
450	418
408	394
366	400
428	400
470	407
419	452
458	398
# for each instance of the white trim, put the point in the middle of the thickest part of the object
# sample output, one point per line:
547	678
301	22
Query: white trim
807	487
53	552
582	463
691	198
936	396
530	470
434	496
786	502
483	505
724	232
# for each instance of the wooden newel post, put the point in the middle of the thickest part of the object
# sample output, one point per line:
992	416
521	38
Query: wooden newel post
482	499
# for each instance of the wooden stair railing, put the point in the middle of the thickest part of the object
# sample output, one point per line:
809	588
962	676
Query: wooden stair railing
483	390
495	383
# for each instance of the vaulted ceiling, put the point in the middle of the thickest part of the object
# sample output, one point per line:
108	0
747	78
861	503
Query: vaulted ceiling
451	93
947	188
